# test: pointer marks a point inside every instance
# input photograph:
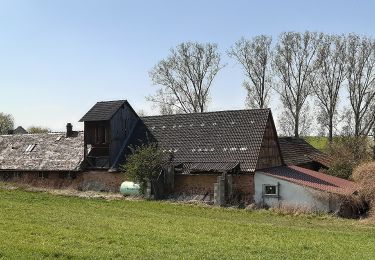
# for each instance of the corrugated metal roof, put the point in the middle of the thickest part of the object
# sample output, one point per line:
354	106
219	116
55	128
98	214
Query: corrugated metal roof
209	167
312	179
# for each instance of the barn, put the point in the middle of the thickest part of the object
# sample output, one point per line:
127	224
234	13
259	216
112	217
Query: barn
222	157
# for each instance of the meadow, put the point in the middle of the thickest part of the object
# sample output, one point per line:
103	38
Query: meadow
41	225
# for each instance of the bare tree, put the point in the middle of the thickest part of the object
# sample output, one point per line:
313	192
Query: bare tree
255	57
293	63
286	122
186	77
6	123
361	82
330	75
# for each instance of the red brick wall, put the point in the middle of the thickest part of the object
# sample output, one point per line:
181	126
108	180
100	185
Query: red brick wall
200	184
195	184
244	183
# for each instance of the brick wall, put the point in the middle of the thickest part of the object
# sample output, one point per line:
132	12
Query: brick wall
202	184
195	184
244	183
199	184
91	180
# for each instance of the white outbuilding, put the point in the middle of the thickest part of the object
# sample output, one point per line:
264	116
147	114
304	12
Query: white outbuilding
293	186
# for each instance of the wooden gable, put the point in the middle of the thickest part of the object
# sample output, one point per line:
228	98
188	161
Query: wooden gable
269	153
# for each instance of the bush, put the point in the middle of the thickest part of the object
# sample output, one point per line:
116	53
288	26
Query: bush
364	175
144	165
347	153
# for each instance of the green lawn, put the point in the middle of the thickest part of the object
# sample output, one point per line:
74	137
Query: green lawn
40	225
319	142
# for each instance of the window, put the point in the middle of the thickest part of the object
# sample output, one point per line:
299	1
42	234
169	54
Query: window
43	175
30	148
100	135
270	190
17	175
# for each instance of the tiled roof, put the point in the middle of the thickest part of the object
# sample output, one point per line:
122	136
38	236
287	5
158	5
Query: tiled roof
103	111
19	131
297	151
41	152
312	179
226	136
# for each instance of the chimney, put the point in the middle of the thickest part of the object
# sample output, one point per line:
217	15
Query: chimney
69	130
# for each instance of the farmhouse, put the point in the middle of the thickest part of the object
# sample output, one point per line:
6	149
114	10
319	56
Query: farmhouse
225	157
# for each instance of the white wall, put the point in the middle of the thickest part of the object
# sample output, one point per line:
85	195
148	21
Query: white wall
293	195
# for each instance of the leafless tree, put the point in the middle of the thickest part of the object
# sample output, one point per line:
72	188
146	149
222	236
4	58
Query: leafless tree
361	82
330	75
293	63
6	123
186	77
255	57
286	122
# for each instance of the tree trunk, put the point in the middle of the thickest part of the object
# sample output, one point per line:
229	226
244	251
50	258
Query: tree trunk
296	125
330	134
357	125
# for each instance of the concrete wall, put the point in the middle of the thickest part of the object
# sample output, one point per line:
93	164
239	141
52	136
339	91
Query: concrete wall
293	195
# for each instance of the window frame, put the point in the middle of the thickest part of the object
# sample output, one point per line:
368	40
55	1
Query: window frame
276	194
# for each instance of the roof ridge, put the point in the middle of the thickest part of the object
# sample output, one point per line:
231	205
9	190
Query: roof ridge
209	112
108	101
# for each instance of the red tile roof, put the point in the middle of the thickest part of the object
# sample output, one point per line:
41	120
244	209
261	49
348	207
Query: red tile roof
312	179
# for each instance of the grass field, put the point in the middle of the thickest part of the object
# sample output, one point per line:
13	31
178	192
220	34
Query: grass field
319	142
40	225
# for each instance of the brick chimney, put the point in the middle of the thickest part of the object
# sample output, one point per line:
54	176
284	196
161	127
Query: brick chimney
69	130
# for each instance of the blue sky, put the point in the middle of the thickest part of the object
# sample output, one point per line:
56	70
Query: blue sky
57	58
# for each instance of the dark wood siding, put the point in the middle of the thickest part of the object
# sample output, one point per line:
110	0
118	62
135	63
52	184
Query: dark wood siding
269	154
121	124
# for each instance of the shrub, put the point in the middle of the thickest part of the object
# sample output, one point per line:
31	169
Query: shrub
364	175
144	165
346	154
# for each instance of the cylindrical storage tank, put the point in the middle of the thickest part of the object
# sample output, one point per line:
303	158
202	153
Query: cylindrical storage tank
129	188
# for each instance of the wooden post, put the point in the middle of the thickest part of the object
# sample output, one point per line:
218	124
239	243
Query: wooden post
219	191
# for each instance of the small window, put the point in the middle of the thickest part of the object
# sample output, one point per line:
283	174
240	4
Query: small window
100	135
271	190
63	175
30	148
17	174
43	175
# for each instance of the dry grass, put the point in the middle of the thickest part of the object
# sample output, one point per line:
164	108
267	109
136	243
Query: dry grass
364	175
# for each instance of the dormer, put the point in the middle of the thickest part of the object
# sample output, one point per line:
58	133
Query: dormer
107	125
